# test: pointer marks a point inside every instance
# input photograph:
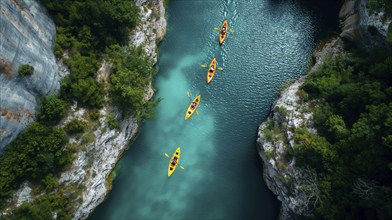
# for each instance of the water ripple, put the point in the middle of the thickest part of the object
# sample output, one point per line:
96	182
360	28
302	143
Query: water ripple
271	43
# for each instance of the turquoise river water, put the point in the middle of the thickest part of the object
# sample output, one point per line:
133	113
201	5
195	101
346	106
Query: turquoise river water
271	43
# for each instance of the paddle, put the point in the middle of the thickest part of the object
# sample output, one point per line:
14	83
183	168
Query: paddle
188	94
220	68
231	30
203	65
169	157
197	113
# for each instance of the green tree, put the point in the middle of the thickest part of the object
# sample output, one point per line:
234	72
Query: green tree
53	109
354	121
112	121
336	127
88	92
131	75
75	126
25	70
314	151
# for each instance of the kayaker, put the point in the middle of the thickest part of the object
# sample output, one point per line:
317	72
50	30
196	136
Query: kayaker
193	105
223	30
212	68
174	161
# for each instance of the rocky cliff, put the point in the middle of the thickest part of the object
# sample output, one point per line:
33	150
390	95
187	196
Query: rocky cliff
361	27
99	149
293	186
26	37
93	165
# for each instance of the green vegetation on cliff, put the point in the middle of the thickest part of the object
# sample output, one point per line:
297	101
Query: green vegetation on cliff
84	30
35	154
87	32
53	109
131	75
25	70
352	155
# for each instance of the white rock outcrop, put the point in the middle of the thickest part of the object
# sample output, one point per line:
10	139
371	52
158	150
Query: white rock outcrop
96	160
288	113
94	164
152	28
282	176
23	194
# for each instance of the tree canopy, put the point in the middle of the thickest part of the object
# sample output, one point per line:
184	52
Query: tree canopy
36	153
353	153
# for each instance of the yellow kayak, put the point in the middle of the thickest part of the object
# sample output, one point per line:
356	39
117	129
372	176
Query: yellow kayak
211	70
223	32
173	163
192	107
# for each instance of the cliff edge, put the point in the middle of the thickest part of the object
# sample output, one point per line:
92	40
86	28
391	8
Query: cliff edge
296	187
293	186
100	147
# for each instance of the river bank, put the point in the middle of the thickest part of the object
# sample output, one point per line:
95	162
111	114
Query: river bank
223	176
296	188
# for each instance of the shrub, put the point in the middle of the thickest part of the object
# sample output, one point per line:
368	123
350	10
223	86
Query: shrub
25	70
50	182
94	114
268	154
132	73
53	109
112	121
314	151
87	92
283	111
272	132
75	126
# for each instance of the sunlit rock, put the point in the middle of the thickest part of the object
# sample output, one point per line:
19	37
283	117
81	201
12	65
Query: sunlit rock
288	113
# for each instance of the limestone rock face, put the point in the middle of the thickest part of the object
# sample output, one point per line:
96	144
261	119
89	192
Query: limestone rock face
281	175
94	163
92	166
152	28
362	28
294	186
27	36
